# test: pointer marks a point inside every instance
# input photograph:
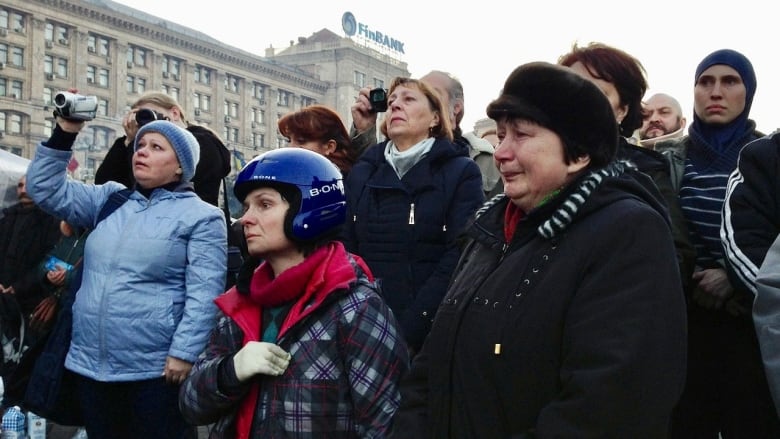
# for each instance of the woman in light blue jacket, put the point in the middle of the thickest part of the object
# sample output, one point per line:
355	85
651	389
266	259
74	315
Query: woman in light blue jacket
152	269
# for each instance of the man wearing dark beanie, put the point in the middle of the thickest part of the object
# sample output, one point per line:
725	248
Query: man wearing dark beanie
560	320
726	391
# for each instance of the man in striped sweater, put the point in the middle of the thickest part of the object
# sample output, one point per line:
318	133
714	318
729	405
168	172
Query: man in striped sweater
726	391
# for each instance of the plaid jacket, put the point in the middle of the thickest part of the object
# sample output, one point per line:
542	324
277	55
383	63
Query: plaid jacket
347	361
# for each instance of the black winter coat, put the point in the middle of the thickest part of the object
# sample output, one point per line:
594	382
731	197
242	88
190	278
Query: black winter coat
27	234
575	329
213	166
407	229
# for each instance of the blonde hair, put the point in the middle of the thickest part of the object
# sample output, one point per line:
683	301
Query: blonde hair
166	101
444	128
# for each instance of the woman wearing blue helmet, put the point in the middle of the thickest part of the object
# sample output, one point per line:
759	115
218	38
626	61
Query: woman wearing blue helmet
306	345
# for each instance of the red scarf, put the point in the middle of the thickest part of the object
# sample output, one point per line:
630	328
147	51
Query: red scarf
512	217
307	284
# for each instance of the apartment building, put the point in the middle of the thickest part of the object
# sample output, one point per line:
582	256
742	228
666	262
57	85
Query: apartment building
116	53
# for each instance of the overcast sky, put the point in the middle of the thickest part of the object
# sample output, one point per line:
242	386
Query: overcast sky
482	43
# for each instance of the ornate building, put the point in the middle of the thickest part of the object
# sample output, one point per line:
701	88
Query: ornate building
116	53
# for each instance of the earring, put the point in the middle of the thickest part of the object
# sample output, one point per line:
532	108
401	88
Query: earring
179	171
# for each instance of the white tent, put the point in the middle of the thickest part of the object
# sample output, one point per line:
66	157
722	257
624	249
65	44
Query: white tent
12	167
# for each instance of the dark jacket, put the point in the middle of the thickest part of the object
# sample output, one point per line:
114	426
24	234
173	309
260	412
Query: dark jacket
26	236
575	329
406	230
656	166
751	211
214	164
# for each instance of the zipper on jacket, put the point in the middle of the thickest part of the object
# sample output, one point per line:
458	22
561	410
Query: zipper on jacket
411	214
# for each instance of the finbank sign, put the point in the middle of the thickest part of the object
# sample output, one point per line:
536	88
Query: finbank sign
351	27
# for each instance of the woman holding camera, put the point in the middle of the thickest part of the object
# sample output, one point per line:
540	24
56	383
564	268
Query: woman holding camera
214	156
151	272
409	198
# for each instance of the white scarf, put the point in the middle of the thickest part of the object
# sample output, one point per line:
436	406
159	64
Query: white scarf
403	161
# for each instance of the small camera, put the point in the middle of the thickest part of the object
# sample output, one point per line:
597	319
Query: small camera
378	99
145	115
74	106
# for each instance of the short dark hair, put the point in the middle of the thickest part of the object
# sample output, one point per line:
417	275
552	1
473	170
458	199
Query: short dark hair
619	68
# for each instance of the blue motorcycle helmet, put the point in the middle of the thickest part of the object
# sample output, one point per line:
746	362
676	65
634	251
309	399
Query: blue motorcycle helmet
312	185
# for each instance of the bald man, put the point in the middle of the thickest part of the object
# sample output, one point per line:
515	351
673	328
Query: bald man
663	120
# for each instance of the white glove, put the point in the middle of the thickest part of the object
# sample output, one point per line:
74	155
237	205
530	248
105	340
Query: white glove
258	357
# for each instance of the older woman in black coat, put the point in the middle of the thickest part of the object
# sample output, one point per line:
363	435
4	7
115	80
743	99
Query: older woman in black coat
565	317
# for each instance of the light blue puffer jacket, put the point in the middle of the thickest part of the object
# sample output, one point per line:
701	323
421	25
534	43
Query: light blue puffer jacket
151	272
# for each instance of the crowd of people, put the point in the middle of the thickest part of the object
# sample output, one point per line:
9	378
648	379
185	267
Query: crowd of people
582	268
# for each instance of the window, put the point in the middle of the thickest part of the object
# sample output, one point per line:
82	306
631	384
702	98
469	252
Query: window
258	91
91	74
258	140
231	83
97	138
202	102
3	87
171	66
14	89
48	63
17	56
231	109
283	98
103	75
281	142
3	19
378	83
48	95
56	32
306	101
136	85
16	22
230	134
360	79
258	115
48	126
4	53
102	107
98	45
136	56
62	67
10	122
202	75
171	91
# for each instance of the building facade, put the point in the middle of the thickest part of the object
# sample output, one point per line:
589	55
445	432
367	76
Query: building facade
116	53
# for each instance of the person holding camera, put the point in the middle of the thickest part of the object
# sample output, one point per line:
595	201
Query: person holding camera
214	156
151	272
408	200
369	102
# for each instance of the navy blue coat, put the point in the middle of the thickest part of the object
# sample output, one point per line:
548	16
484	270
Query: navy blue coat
407	229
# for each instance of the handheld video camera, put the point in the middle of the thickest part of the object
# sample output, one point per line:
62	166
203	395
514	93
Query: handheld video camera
145	115
74	106
378	99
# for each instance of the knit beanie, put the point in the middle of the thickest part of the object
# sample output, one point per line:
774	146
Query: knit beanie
736	61
183	142
719	138
558	99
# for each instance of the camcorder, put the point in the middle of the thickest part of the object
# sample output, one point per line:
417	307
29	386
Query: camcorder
145	115
74	106
378	99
